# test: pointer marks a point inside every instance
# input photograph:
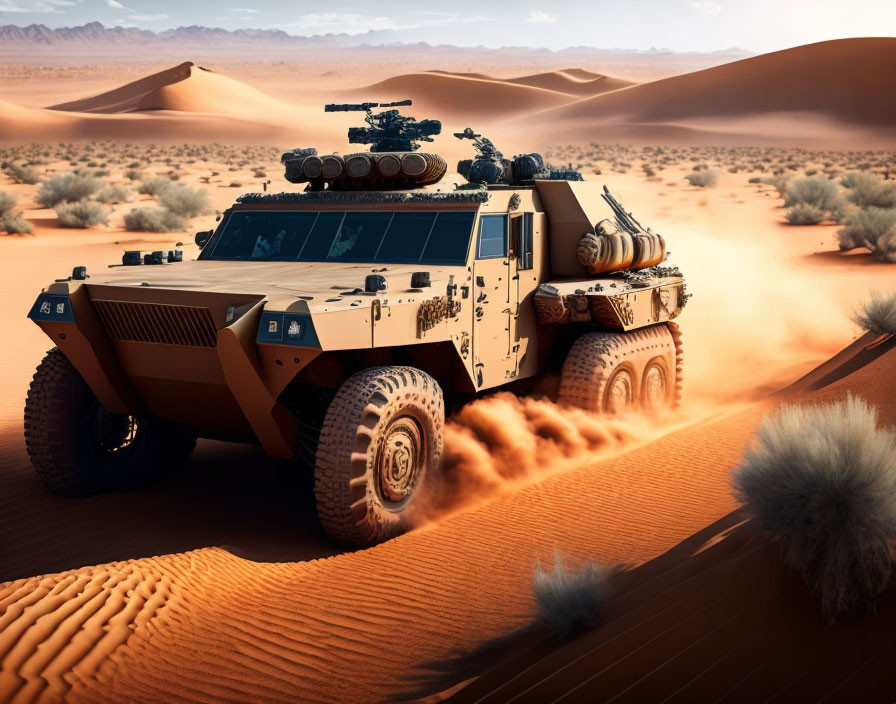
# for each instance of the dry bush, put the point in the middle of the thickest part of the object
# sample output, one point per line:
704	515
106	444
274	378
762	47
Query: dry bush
822	483
153	220
866	190
154	186
779	183
816	190
867	227
805	214
115	194
13	224
84	213
7	202
67	188
878	314
19	173
184	201
570	599
703	178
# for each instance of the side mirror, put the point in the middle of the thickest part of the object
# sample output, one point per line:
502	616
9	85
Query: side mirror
203	237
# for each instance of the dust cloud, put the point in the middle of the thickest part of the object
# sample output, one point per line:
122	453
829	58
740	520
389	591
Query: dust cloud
759	319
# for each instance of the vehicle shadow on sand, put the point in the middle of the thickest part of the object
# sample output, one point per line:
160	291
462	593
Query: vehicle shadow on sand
230	496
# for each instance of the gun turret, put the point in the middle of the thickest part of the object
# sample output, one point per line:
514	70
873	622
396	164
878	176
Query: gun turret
491	167
389	130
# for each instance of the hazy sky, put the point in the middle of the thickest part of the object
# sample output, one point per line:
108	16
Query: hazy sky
683	25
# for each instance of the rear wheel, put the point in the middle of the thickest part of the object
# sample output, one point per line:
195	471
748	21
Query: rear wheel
618	372
378	453
77	447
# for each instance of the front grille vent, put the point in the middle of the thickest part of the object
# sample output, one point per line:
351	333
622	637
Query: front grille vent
159	323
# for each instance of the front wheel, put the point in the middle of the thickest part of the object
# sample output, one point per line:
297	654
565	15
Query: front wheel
77	447
378	453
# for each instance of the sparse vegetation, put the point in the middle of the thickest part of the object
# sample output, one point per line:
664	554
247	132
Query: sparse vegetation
805	214
817	192
154	186
866	190
153	220
184	201
569	599
115	194
19	173
703	178
84	213
7	203
12	223
874	228
67	188
878	314
822	483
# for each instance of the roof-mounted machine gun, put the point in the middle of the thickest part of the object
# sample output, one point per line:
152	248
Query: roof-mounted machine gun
389	130
392	163
490	167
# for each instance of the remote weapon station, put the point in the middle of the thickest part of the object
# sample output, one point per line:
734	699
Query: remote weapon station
332	326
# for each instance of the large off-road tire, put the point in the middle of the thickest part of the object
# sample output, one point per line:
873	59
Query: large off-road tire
378	453
78	448
619	372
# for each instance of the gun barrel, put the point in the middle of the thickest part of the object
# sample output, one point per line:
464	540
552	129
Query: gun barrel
349	107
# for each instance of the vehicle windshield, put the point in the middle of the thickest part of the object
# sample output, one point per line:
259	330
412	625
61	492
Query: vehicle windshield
374	236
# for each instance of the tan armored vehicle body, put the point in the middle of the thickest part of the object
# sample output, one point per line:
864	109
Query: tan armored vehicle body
330	326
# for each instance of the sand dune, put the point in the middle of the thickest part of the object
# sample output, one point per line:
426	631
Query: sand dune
349	629
187	88
458	95
184	102
828	88
720	617
572	81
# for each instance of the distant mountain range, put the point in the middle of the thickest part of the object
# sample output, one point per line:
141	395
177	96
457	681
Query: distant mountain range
95	33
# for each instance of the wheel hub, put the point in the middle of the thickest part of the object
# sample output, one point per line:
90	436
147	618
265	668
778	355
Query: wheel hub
398	460
620	393
114	434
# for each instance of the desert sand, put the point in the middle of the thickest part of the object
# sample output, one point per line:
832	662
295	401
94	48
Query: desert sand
217	585
829	94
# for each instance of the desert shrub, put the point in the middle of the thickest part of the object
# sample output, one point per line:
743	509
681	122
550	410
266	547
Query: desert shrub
84	213
866	190
14	224
153	220
67	188
7	202
154	186
779	183
703	178
822	483
815	190
133	175
878	314
185	201
569	599
19	173
805	214
115	194
866	227
883	248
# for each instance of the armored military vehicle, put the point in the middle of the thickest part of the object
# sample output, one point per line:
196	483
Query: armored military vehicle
332	325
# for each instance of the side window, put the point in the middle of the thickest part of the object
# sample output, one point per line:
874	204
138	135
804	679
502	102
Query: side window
492	241
525	250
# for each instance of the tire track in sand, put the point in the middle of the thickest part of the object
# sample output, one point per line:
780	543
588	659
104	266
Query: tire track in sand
209	626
